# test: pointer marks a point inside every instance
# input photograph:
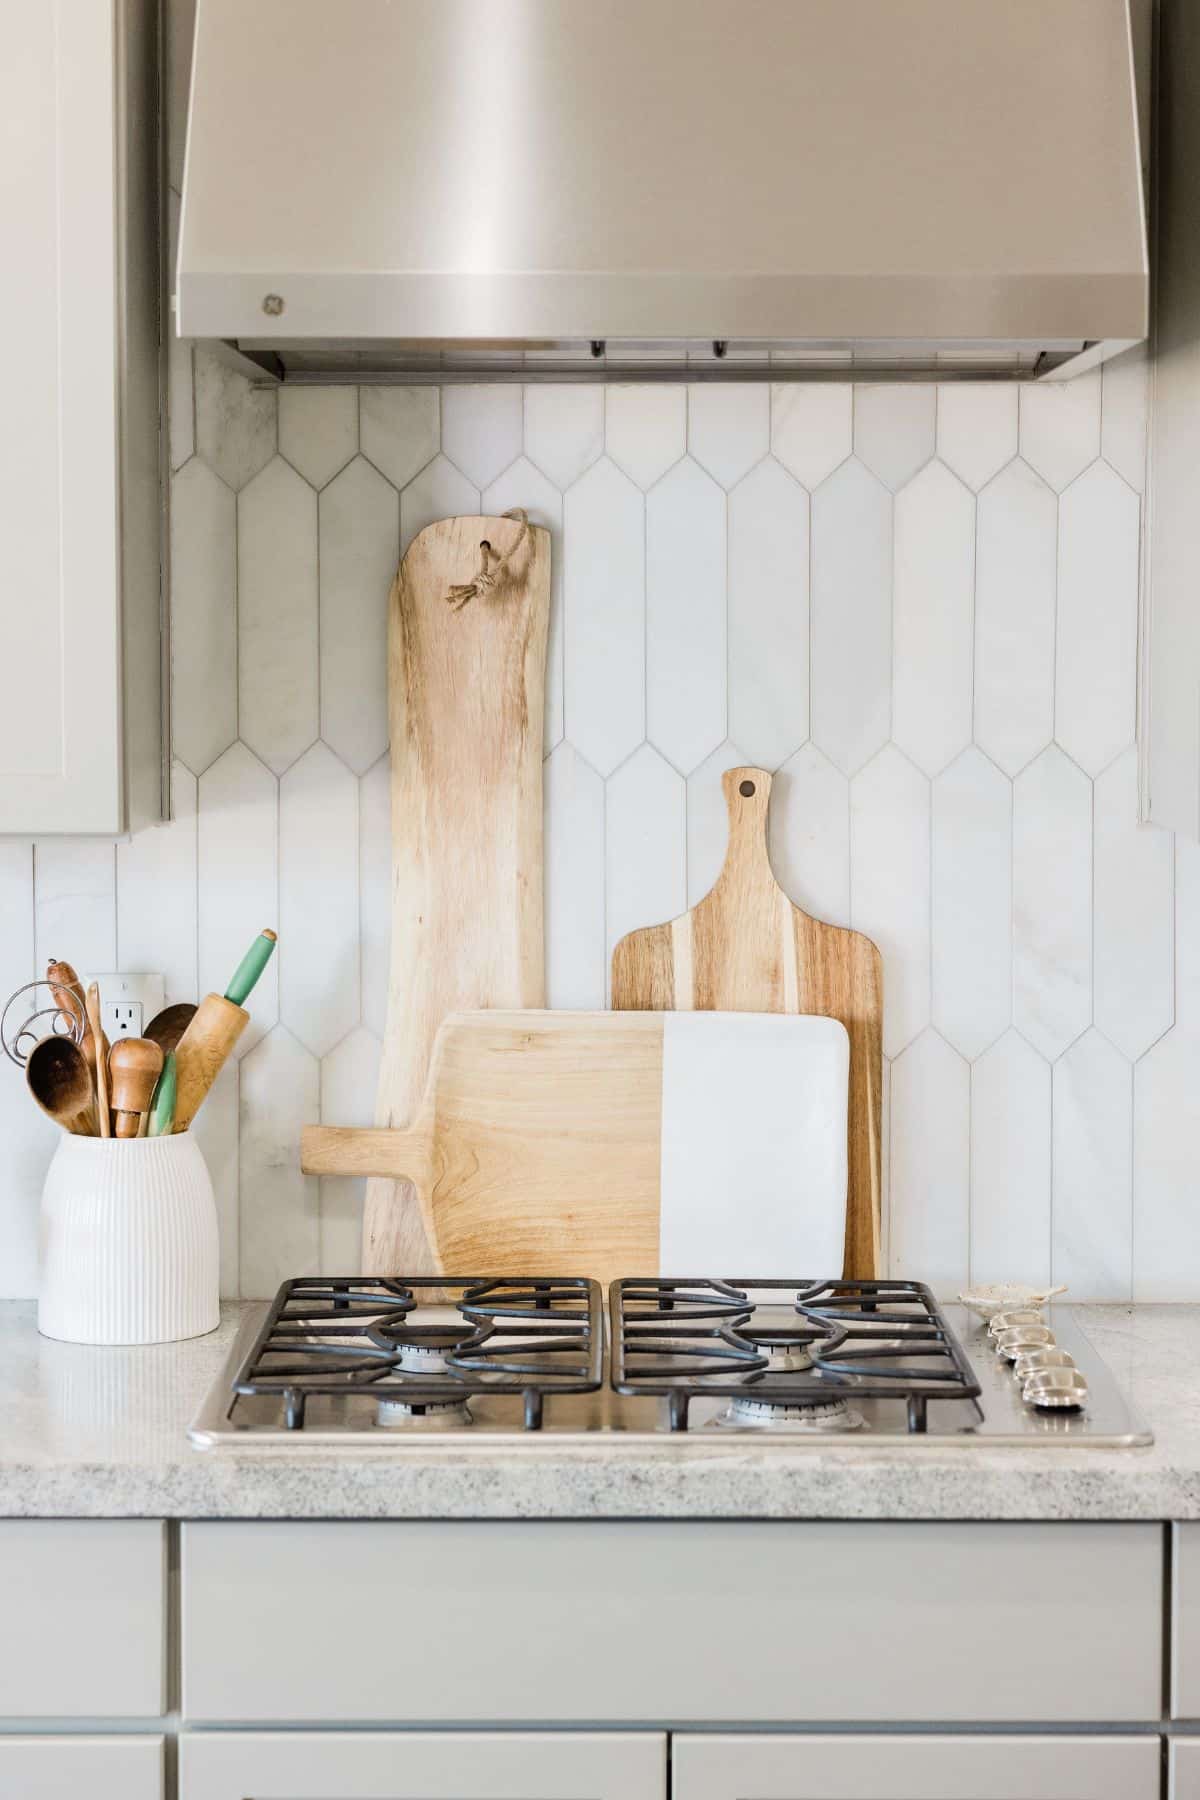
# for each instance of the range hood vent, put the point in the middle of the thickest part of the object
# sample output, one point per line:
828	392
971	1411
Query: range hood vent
663	189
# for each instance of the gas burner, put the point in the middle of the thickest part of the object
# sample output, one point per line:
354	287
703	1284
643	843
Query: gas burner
429	1355
786	1353
419	1360
767	1415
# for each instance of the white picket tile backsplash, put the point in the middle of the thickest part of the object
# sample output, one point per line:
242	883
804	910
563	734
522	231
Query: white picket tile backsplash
645	430
1010	1163
686	653
645	844
729	429
933	606
359	549
894	428
1134	916
850	610
972	903
976	429
1060	427
523	486
204	647
318	430
604	609
1097	617
890	886
238	886
564	430
768	613
573	857
1052	902
708	818
156	895
1016	552
939	786
812	428
929	1164
481	430
277	615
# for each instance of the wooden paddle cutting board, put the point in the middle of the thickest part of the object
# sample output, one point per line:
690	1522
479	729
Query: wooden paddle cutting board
466	680
746	948
609	1144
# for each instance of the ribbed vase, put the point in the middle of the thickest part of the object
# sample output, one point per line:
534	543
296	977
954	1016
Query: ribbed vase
129	1249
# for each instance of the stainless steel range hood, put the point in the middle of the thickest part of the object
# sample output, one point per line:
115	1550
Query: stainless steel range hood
417	189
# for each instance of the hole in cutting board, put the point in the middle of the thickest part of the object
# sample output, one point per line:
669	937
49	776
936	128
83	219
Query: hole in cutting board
746	788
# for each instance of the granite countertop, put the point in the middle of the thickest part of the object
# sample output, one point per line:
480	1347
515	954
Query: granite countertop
100	1433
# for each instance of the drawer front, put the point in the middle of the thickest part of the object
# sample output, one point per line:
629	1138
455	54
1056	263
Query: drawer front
914	1768
1185	1622
548	1622
452	1765
84	1619
100	1768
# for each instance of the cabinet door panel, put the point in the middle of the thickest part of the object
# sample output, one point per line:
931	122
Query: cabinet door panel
84	1615
60	743
913	1768
1185	1623
330	1765
44	1768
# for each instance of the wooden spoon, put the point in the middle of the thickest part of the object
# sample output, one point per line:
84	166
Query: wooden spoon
72	1010
168	1026
60	1080
92	1002
134	1066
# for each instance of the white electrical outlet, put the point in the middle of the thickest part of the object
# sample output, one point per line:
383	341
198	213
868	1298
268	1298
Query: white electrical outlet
128	1003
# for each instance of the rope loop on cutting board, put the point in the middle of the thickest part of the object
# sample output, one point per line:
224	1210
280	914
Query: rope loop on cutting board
491	566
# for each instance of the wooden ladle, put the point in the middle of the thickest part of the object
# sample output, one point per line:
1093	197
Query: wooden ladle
60	1080
168	1026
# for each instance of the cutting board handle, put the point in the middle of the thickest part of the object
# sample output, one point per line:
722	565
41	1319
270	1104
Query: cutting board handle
363	1150
747	797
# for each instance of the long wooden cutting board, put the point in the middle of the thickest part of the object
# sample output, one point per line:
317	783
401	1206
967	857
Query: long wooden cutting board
746	948
553	1143
466	680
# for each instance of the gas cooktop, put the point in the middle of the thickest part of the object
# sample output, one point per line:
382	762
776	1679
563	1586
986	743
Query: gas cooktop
385	1363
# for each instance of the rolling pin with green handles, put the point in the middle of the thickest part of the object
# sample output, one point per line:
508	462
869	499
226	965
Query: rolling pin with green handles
215	1028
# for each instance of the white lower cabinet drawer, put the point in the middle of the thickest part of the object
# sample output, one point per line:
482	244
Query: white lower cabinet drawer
553	1623
451	1765
69	1768
84	1619
914	1768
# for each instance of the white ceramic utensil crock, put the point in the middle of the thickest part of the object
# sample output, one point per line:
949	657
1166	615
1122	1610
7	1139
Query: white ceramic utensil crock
129	1250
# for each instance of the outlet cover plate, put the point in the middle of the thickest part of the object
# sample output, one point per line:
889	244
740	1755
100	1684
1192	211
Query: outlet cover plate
128	1002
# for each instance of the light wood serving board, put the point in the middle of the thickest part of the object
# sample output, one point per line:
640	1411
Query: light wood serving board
465	690
558	1143
746	948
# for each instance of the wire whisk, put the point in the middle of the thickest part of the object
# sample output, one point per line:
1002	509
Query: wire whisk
65	1014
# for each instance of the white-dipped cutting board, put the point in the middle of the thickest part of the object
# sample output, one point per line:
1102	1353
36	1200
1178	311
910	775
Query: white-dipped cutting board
615	1144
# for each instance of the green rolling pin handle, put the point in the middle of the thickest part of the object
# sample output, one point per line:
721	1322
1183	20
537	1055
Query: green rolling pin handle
250	968
162	1105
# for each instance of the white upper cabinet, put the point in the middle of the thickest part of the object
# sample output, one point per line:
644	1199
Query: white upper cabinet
80	725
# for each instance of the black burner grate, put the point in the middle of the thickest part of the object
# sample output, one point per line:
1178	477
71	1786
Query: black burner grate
863	1340
351	1335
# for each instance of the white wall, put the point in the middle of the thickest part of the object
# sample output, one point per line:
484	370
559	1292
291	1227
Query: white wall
918	603
931	636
